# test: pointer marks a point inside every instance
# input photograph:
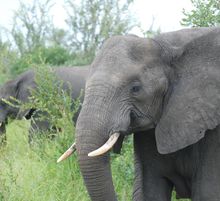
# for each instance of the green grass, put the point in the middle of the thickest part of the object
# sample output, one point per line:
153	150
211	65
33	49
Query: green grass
32	174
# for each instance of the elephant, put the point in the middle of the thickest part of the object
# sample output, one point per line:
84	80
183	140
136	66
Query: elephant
166	91
20	87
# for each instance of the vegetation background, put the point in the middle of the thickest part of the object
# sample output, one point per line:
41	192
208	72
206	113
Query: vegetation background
30	173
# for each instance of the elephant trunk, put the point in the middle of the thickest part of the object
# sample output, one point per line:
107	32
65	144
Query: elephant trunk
91	133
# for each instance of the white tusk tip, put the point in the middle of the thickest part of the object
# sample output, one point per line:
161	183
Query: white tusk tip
69	152
92	154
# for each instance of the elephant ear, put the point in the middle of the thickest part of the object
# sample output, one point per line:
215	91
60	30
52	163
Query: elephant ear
8	89
194	103
23	92
19	89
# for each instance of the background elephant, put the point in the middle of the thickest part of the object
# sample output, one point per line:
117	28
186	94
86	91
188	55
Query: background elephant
166	91
19	88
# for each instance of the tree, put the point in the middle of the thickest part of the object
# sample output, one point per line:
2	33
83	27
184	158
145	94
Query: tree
36	38
31	25
58	37
91	22
151	32
7	58
205	13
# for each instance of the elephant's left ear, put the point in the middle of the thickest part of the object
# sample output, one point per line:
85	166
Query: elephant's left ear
193	108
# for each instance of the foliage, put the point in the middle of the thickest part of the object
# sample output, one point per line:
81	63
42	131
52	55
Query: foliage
34	38
151	32
7	57
53	55
91	22
24	62
58	37
32	174
205	13
55	103
56	55
31	25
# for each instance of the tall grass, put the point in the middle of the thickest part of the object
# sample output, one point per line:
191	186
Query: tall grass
30	173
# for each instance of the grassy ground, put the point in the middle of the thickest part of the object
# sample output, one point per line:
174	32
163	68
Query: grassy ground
32	174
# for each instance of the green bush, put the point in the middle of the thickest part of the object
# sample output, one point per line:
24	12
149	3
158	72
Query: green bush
21	64
54	55
7	58
203	14
51	99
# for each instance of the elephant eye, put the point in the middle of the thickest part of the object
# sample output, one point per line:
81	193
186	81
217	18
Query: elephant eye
135	88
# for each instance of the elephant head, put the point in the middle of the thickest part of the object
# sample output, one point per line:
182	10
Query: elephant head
15	89
136	84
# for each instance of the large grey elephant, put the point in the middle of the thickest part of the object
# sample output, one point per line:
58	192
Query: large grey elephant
166	91
20	87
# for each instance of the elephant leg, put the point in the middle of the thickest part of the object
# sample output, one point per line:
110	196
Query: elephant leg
149	182
157	188
206	185
149	186
138	188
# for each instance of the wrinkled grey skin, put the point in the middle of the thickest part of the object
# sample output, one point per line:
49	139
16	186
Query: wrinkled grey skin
20	89
166	91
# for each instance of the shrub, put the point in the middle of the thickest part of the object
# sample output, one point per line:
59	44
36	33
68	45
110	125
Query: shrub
49	97
54	55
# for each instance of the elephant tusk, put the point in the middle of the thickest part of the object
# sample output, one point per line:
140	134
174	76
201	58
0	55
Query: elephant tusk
106	147
67	153
1	124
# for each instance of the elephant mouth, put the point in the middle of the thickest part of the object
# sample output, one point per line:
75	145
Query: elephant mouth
139	119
